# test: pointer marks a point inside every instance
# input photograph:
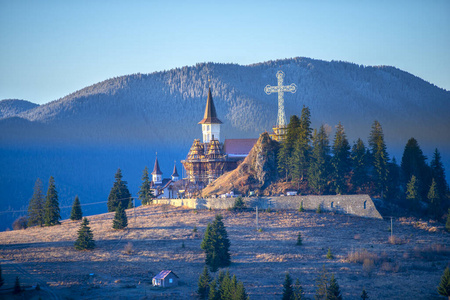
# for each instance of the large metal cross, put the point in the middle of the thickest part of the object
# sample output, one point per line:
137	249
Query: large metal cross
280	89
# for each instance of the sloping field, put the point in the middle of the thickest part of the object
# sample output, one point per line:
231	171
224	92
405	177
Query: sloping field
124	262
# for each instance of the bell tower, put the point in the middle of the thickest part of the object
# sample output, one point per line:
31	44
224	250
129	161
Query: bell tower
210	123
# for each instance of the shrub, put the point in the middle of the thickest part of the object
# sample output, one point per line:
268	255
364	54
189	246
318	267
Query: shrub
329	254
368	265
20	223
361	256
239	204
319	209
128	248
299	239
395	240
301	209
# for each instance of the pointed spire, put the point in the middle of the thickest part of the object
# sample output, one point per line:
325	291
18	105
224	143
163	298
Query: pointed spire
175	172
156	170
210	116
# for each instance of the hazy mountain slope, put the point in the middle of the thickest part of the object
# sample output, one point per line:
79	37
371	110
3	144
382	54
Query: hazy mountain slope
121	122
13	107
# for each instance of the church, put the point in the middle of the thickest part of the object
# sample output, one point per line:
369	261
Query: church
210	158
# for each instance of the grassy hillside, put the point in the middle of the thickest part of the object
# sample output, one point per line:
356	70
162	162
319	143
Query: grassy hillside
124	262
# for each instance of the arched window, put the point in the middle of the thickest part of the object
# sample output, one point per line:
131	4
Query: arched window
365	204
332	204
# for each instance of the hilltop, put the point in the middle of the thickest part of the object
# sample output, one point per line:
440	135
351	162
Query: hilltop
124	262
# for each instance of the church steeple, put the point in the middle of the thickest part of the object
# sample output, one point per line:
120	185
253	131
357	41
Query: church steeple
175	175
156	174
210	123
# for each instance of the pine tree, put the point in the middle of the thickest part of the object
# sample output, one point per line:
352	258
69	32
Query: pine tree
76	213
17	287
322	285
379	157
414	163
203	283
301	209
435	201
216	245
51	206
36	206
213	292
288	292
239	204
438	173
329	254
120	218
412	194
318	172
302	147
145	193
447	224
287	146
298	290
2	281
333	291
394	183
359	158
299	239
444	285
364	294
85	240
341	160
119	193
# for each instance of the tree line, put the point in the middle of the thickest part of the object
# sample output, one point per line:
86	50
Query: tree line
307	159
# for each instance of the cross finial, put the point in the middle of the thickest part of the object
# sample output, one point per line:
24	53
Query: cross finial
209	82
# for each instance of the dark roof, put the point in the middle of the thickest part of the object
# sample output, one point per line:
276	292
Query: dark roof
163	274
156	170
210	116
240	147
175	173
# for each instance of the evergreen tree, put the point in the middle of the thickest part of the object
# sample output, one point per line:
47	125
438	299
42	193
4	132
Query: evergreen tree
302	147
301	209
360	166
51	206
393	184
213	292
435	201
298	290
447	224
414	163
341	160
287	146
299	239
36	206
438	173
119	193
145	193
85	240
239	204
76	213
322	285
120	218
444	285
412	194
379	158
2	281
240	293
216	245
319	161
333	291
17	287
329	254
364	294
203	283
288	292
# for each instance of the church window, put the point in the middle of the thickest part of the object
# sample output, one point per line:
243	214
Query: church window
365	204
332	204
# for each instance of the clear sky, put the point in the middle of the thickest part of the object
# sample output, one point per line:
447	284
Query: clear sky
49	49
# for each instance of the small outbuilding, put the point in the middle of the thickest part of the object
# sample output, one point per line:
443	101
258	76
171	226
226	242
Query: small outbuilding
165	278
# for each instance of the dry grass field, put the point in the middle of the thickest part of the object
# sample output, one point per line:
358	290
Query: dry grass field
407	266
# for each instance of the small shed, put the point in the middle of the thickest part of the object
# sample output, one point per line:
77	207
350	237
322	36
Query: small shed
165	278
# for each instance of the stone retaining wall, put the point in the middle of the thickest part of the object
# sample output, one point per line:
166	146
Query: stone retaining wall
359	205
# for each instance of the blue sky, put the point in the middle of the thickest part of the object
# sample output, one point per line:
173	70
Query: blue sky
49	49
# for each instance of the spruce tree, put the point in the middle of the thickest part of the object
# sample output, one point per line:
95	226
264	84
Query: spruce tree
364	294
414	163
287	146
435	201
203	283
394	182
359	158
2	281
76	213
329	254
145	193
444	285
239	204
412	194
51	206
379	158
299	239
213	292
216	245
333	291
302	147
438	173
288	292
298	290
119	193
447	224
17	287
318	172
36	206
85	240
322	285
341	160
120	218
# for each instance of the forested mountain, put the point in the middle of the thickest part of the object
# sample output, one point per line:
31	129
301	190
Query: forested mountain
13	107
83	138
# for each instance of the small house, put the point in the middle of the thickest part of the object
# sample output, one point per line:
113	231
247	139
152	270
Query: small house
165	278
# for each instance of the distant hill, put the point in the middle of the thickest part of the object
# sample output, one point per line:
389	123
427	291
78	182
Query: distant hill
121	122
13	107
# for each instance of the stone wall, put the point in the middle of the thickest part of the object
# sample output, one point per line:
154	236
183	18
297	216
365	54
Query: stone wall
359	205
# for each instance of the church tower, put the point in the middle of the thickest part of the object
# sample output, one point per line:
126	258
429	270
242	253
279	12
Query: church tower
175	175
156	174
210	123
